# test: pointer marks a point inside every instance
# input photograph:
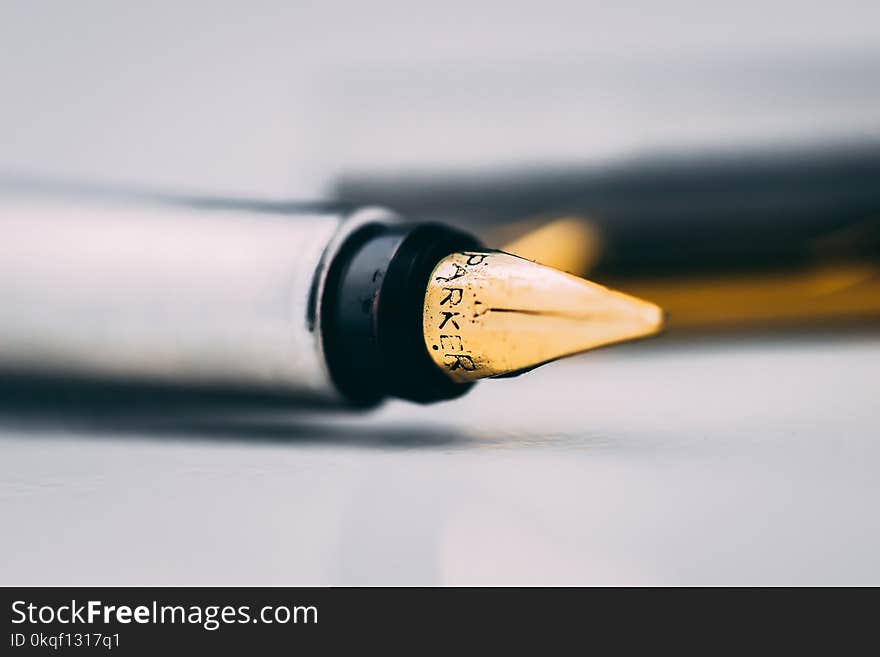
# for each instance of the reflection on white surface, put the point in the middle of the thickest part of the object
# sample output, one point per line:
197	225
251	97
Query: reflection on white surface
748	464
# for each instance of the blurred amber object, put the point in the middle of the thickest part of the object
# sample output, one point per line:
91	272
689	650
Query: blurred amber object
570	244
843	292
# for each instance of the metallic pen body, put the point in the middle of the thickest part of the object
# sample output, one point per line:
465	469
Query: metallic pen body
169	294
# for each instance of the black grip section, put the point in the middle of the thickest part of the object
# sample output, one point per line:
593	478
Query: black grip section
372	313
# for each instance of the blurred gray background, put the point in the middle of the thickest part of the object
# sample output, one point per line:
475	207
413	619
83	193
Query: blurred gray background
278	98
745	463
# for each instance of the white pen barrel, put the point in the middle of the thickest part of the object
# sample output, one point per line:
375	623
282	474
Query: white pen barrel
165	294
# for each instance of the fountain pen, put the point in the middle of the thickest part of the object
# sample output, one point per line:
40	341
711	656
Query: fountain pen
325	304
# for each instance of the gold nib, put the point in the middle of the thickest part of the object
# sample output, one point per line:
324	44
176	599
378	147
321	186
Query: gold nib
494	313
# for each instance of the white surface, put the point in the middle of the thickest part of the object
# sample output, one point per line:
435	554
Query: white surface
750	463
